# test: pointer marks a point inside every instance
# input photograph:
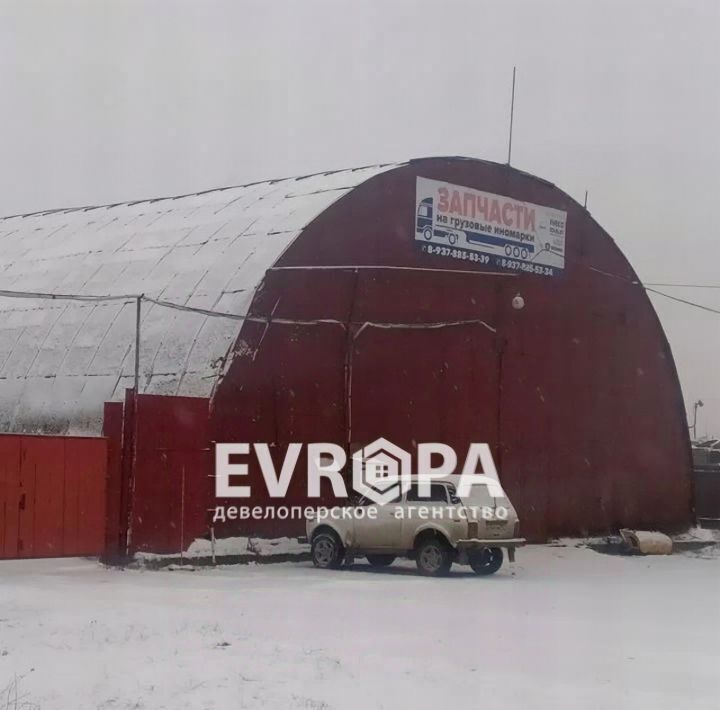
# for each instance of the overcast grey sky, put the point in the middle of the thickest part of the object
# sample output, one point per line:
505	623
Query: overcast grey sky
109	101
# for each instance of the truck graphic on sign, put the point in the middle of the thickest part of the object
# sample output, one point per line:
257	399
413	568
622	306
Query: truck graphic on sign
425	226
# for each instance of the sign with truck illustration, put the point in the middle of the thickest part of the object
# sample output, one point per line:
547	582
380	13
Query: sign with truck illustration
463	223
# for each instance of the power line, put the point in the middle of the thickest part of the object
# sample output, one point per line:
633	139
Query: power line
92	298
675	285
681	300
648	288
65	296
267	320
637	282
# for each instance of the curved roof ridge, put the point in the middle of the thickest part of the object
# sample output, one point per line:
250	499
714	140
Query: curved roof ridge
197	193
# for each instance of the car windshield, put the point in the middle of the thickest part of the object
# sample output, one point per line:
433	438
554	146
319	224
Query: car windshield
452	495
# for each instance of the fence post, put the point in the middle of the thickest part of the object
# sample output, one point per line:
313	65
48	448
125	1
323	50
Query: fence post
138	307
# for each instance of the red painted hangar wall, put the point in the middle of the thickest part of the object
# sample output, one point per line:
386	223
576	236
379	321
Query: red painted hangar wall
576	393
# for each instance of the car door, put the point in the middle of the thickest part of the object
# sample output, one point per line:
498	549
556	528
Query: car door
420	508
377	527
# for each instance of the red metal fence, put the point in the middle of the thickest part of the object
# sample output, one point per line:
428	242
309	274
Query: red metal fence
52	495
707	493
145	486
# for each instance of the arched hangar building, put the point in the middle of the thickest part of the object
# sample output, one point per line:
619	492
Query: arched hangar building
381	305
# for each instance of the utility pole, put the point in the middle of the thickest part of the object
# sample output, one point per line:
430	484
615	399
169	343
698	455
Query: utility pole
696	405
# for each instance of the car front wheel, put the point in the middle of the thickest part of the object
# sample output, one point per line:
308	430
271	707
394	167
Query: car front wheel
486	561
433	557
327	551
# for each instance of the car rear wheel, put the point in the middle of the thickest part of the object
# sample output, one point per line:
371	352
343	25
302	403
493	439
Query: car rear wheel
381	560
486	561
433	557
327	550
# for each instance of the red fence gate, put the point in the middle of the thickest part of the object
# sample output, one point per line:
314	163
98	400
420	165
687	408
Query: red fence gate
159	479
52	495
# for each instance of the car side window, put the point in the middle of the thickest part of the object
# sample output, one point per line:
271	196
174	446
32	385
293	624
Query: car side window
437	494
364	501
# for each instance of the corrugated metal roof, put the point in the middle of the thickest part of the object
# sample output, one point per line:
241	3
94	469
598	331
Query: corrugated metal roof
60	360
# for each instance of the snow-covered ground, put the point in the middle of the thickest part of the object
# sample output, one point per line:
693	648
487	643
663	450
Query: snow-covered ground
568	627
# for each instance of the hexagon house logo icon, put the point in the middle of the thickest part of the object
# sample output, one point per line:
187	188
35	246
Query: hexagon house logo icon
381	471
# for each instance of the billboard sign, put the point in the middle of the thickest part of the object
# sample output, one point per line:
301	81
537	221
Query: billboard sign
483	228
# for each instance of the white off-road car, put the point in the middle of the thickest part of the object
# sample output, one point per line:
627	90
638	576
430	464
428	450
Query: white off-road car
436	530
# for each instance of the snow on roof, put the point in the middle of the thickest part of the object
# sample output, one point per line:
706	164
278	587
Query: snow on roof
61	360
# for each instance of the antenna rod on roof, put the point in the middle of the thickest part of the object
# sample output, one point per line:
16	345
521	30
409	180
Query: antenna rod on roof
585	205
512	113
